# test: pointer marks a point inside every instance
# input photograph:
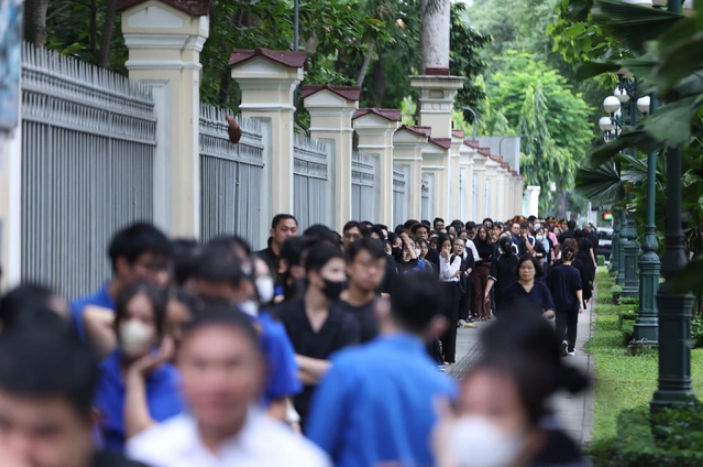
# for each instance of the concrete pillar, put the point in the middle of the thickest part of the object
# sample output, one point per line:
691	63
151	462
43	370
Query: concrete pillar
491	186
375	128
164	40
501	197
407	150
331	109
480	171
268	79
454	176
435	160
436	94
532	193
11	207
466	163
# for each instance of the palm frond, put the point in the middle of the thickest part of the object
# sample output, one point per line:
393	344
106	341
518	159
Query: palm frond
601	184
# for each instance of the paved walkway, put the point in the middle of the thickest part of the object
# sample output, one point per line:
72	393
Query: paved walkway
575	412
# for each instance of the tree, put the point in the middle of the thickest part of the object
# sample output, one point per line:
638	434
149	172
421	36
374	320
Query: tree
35	21
538	103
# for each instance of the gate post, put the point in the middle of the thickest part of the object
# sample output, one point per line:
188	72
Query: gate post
407	150
165	38
375	128
331	109
268	79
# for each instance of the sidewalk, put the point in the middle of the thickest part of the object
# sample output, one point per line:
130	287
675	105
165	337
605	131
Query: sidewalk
575	413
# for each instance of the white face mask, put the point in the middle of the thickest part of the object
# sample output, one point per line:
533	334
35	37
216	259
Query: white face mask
477	442
265	289
136	338
417	252
250	307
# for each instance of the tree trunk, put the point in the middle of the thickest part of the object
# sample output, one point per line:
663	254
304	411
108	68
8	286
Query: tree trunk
106	39
434	33
93	31
379	82
35	21
225	82
365	65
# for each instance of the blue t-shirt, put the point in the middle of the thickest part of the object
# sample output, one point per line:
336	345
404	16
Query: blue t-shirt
162	392
100	298
366	412
282	369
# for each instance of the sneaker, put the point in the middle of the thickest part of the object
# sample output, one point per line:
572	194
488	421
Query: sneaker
572	353
469	325
462	323
564	348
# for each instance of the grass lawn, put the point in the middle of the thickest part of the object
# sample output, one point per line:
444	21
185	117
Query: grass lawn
622	381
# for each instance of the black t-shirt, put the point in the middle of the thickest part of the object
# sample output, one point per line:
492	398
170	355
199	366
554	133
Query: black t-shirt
391	274
368	325
433	257
564	235
559	450
504	272
563	282
270	257
339	330
107	459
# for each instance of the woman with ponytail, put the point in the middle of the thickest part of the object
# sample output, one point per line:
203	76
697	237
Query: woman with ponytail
564	282
503	416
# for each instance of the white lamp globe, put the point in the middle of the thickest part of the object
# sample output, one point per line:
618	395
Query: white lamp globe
622	95
611	104
643	104
606	124
639	2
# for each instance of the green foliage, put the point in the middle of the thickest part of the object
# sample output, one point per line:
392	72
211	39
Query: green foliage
697	331
676	441
601	260
537	102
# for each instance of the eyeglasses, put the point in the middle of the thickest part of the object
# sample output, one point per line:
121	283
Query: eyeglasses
155	265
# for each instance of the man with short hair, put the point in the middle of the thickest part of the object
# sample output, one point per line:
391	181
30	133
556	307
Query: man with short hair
438	223
316	324
570	233
138	252
421	231
47	383
368	412
409	225
366	267
384	229
352	232
222	378
283	226
488	222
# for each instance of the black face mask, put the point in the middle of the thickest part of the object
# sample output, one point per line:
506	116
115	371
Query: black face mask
397	253
333	289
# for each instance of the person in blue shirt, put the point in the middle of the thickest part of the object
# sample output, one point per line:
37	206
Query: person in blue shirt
138	252
528	295
137	388
368	412
227	273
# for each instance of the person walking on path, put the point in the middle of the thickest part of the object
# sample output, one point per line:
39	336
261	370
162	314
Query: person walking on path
564	283
481	270
369	413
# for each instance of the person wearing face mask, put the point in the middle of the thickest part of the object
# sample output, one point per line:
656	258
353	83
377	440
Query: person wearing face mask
503	417
221	280
410	259
137	388
316	324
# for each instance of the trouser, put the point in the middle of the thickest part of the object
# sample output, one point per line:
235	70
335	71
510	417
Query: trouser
451	291
481	307
465	302
567	326
434	349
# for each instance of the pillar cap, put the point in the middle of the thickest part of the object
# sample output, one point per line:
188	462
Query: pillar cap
191	7
286	58
389	114
458	134
414	130
350	93
471	143
485	151
498	159
445	143
437	70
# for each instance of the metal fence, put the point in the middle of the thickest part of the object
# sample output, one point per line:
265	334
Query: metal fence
88	142
400	194
363	187
231	177
311	187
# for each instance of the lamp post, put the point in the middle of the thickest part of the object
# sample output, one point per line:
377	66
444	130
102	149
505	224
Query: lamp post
622	107
675	310
646	328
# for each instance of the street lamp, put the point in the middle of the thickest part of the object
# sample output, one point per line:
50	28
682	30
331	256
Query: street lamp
675	309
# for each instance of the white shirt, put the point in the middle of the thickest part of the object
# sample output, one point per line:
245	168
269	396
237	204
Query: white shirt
470	245
262	442
447	270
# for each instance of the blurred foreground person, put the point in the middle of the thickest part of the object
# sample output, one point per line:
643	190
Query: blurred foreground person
503	419
374	406
223	377
47	381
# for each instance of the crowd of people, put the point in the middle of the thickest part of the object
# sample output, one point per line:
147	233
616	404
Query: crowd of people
322	349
